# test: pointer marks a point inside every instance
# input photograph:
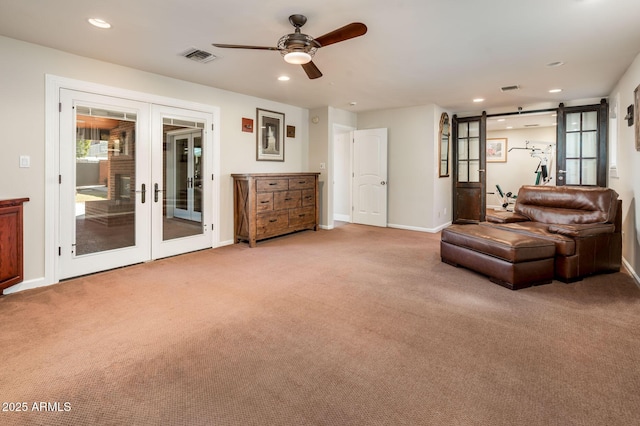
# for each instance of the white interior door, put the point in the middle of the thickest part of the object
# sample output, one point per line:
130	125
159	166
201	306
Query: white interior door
370	177
104	183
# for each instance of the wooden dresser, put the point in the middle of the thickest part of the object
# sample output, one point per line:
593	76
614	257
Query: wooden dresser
269	204
11	264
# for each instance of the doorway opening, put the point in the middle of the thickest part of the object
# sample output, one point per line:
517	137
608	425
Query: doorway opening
521	150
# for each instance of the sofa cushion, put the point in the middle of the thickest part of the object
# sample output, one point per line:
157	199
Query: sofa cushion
565	246
567	205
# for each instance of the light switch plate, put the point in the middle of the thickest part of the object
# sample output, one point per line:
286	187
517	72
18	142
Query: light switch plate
25	161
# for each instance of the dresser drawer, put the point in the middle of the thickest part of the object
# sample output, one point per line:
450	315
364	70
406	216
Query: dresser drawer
264	201
287	199
268	223
264	185
308	197
303	182
302	216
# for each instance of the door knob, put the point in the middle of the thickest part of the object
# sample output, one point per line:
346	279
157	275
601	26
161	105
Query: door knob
383	183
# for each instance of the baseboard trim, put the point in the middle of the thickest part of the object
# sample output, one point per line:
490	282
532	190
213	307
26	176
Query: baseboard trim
342	217
631	271
27	285
419	229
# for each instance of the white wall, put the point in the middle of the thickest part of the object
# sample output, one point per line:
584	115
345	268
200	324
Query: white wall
412	165
520	167
22	107
324	121
622	144
341	175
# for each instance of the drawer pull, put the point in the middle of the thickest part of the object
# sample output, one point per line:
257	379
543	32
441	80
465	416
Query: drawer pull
302	182
273	183
288	199
273	220
265	202
301	215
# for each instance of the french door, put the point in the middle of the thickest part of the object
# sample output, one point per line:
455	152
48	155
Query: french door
114	168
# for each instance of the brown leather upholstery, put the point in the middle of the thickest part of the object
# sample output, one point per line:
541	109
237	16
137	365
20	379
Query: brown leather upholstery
583	223
510	259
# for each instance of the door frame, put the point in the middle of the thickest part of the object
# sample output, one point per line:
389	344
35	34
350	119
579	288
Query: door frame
53	85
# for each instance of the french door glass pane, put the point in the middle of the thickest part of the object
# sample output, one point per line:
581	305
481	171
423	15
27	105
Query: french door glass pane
590	120
589	176
573	122
573	145
182	194
463	130
474	171
474	129
474	149
589	144
463	171
197	174
463	149
573	172
105	180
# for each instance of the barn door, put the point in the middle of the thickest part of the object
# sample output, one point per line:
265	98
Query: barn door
582	145
469	178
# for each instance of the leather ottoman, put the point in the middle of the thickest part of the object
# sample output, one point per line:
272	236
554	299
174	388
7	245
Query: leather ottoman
509	259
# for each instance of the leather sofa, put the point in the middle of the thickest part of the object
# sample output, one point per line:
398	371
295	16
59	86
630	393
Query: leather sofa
584	223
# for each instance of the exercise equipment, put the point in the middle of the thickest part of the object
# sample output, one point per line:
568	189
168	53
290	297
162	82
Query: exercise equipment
544	157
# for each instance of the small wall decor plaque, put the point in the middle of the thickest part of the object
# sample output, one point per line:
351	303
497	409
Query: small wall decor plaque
291	131
247	125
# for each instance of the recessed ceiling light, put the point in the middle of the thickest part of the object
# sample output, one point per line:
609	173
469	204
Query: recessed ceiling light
555	90
501	119
555	64
100	23
284	78
478	100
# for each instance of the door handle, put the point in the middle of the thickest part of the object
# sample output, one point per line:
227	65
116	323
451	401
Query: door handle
562	171
383	183
156	191
143	191
481	170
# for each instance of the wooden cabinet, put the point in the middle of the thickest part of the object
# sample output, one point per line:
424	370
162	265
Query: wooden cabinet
11	269
268	204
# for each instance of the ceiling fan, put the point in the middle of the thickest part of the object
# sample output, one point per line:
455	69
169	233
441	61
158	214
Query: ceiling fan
298	48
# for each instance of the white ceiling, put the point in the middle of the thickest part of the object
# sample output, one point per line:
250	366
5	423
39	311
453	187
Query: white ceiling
415	52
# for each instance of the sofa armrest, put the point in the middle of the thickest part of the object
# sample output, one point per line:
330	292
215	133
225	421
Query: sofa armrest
583	230
505	217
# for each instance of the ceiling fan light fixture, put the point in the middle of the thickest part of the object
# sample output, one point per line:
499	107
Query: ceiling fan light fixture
297	57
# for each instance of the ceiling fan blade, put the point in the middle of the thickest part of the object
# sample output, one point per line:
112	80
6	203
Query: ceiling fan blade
311	70
355	29
240	46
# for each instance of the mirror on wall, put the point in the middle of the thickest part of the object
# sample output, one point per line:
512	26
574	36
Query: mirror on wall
444	145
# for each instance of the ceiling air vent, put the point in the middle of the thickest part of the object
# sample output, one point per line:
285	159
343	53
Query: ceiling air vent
198	55
508	88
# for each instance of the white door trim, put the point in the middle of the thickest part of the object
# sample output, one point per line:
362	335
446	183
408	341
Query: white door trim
53	84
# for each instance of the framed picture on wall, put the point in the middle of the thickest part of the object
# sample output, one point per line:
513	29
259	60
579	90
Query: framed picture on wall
497	150
270	135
